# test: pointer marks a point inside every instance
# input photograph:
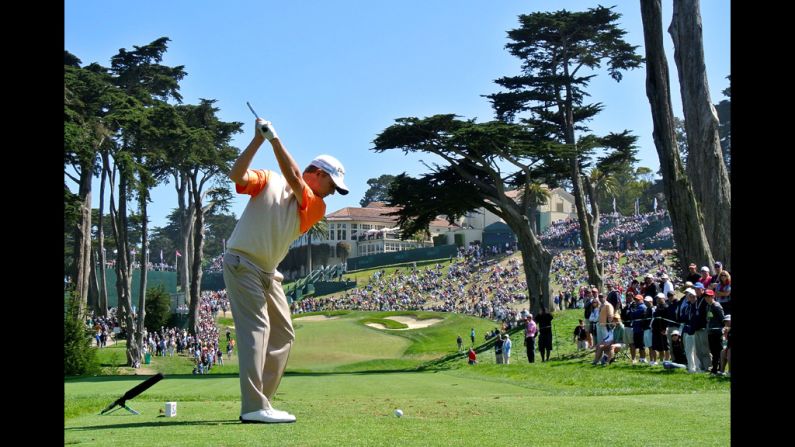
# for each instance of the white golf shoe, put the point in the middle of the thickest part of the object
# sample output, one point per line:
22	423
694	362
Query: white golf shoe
267	416
281	412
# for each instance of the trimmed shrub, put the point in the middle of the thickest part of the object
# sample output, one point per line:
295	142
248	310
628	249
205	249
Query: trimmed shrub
158	308
79	357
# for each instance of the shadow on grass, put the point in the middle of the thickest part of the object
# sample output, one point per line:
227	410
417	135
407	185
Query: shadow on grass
153	424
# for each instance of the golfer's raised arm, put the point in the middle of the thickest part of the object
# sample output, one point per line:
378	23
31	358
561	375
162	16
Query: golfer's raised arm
239	171
289	168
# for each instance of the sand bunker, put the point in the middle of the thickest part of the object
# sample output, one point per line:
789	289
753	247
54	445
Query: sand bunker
316	318
411	322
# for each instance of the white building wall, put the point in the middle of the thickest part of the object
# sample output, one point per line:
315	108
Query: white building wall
479	219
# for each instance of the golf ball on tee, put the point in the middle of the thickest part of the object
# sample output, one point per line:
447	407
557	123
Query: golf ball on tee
398	412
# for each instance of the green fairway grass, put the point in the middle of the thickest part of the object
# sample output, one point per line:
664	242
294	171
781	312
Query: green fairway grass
328	344
445	408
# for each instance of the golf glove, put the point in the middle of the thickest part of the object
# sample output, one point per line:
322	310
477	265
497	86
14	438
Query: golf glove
266	129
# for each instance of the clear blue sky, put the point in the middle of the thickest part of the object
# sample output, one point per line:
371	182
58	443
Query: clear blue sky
331	75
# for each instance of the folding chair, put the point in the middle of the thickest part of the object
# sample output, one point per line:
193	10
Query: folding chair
622	353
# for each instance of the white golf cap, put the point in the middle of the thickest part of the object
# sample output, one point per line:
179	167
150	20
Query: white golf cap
333	168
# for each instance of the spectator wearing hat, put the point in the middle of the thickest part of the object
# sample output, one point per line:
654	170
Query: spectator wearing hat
723	290
613	297
682	310
718	266
649	302
637	313
692	275
593	320
705	277
506	349
666	284
677	348
649	288
544	321
625	317
530	338
700	324
714	329
671	316
634	287
498	349
659	339
618	339
687	316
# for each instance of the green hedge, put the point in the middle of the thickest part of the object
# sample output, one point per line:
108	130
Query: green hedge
210	281
399	257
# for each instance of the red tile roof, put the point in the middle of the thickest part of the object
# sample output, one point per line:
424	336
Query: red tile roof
375	213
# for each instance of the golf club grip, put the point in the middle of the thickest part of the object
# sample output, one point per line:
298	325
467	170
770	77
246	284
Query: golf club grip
141	387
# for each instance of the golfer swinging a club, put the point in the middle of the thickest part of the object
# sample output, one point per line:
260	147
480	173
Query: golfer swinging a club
281	208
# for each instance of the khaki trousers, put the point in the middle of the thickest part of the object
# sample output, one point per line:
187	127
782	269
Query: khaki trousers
263	328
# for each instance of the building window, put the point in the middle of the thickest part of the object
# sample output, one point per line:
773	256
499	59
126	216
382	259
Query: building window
559	206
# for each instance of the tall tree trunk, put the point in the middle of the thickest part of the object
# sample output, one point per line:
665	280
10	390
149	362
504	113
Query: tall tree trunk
534	217
103	284
183	263
593	228
536	262
586	229
144	268
184	202
83	239
196	254
587	237
93	288
686	218
124	269
188	264
705	164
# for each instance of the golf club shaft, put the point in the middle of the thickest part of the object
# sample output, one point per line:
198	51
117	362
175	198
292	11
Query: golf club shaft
252	110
